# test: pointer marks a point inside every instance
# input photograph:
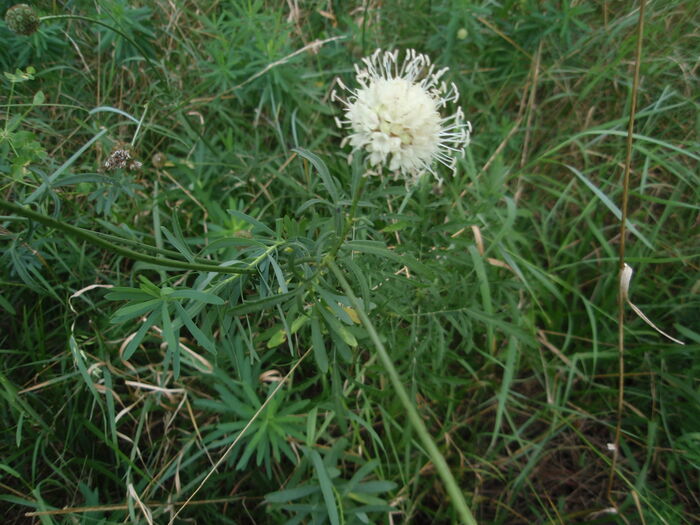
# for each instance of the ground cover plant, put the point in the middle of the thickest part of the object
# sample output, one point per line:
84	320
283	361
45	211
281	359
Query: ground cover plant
210	315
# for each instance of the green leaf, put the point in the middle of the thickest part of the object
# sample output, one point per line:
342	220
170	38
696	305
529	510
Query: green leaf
319	346
311	426
63	167
110	109
610	205
140	334
484	289
109	398
38	98
278	274
395	227
119	293
282	496
364	471
171	336
335	326
194	329
279	337
251	220
361	280
80	363
332	303
135	310
298	323
202	297
10	471
179	243
508	374
20	76
326	487
325	175
375	487
379	248
5	305
260	304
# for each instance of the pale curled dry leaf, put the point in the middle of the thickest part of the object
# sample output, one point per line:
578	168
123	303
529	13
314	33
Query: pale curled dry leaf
625	278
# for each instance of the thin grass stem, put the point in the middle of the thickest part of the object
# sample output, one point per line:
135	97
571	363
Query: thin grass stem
621	253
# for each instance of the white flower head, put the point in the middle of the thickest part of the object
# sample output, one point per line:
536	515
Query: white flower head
394	116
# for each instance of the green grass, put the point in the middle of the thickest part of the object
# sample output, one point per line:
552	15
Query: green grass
494	295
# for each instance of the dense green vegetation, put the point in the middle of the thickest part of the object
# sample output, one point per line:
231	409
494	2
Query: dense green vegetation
239	371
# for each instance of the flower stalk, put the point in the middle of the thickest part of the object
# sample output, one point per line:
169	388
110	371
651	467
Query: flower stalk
414	418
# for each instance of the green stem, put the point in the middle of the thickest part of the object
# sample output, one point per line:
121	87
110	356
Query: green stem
140	244
433	452
131	254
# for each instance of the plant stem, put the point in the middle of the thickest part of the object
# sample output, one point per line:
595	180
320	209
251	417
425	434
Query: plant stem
131	254
435	455
621	255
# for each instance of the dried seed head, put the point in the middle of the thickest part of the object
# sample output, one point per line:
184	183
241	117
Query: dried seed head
121	158
22	19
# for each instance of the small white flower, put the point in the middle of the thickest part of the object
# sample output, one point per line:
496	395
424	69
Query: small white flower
395	116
